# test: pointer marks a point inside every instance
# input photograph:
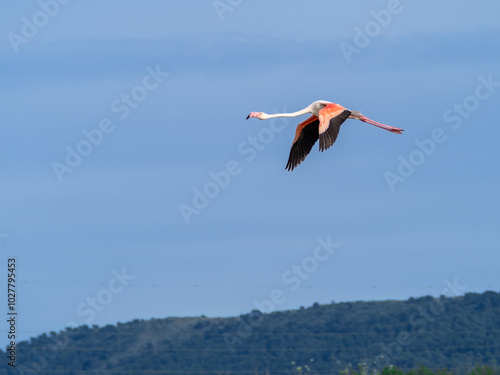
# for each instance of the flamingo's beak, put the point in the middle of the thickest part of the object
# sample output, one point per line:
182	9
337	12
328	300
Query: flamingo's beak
253	114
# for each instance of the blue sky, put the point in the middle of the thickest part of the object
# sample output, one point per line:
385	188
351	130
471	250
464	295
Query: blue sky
117	211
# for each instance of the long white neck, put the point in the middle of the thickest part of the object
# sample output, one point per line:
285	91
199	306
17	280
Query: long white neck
313	108
265	116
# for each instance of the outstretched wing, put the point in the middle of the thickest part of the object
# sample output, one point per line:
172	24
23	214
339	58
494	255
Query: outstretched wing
330	119
306	136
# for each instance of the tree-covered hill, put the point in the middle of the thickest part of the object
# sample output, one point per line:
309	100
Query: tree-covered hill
454	333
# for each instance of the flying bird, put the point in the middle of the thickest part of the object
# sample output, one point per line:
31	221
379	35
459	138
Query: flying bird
324	124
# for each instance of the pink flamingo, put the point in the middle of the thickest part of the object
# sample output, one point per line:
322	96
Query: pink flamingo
324	124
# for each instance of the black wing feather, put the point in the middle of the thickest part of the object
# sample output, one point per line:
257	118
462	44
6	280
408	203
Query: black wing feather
329	137
303	145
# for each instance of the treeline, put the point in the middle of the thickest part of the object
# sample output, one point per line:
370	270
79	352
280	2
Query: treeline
460	334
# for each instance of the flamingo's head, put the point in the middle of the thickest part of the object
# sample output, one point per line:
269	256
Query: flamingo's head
256	115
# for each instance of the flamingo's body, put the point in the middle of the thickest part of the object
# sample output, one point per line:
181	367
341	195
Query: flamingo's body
324	124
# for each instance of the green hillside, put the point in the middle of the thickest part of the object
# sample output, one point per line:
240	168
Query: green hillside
454	333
